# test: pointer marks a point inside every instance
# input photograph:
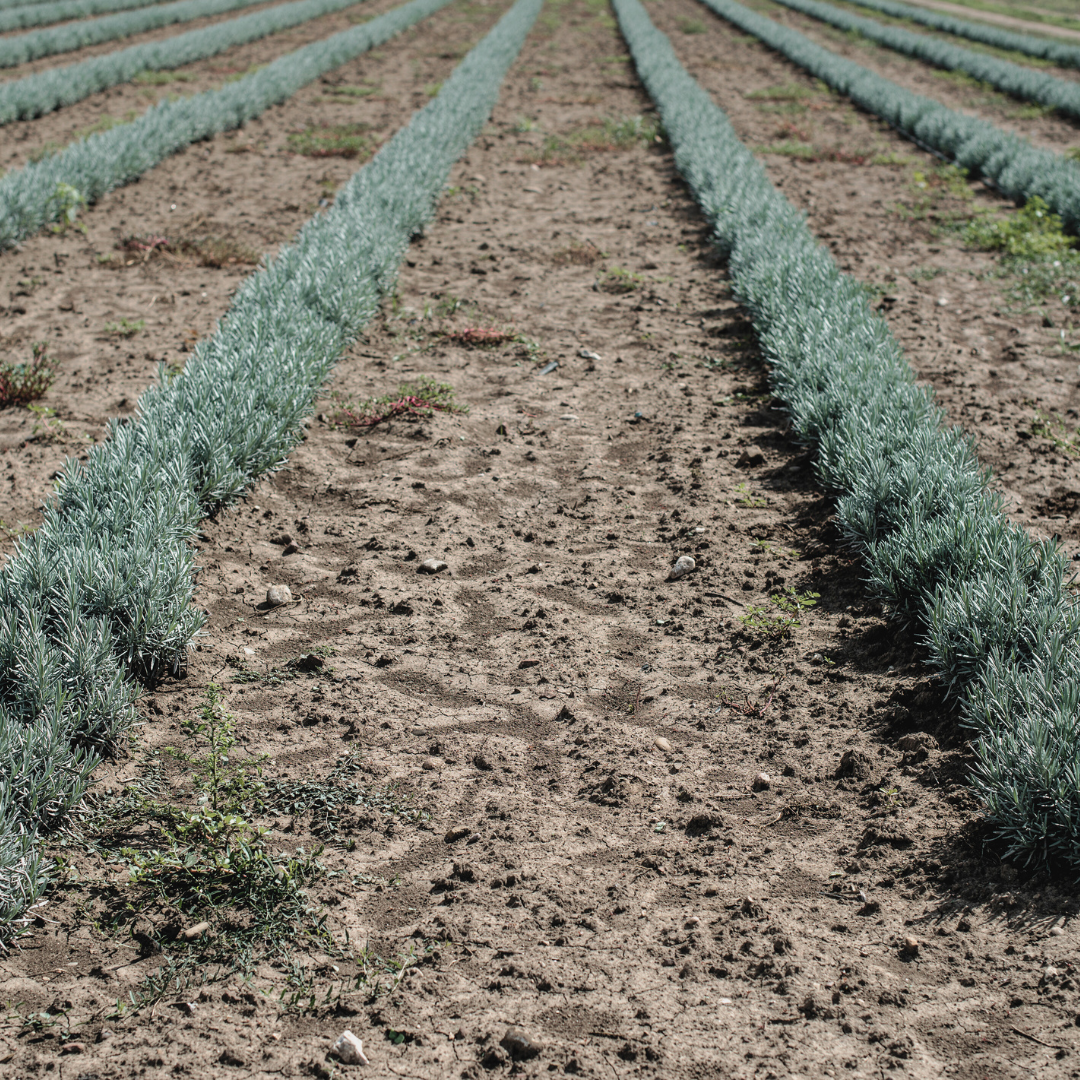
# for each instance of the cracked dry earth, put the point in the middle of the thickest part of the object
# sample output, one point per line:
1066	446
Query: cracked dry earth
599	861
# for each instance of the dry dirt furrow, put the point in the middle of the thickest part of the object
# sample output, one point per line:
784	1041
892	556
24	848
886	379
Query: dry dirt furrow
636	906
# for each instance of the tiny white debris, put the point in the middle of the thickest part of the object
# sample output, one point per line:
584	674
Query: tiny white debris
942	301
277	595
350	1049
700	529
568	416
725	1001
683	565
588	354
248	651
431	566
1050	972
662	744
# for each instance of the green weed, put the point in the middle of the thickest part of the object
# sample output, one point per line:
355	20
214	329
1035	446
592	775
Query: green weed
747	498
421	399
1050	426
333	140
763	618
1032	232
25	382
616	279
125	327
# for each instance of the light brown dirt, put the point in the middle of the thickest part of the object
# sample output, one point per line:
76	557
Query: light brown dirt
635	906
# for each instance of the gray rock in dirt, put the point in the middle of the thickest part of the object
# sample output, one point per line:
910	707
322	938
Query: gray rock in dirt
662	744
762	782
431	566
277	595
684	564
418	731
518	1045
588	354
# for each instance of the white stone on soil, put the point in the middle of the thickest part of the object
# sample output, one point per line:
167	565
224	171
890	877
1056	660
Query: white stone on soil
683	565
350	1049
277	595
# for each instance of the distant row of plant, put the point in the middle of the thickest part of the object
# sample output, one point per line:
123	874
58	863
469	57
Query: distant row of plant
23	15
52	189
43	91
1018	169
995	615
1058	52
84	32
1014	79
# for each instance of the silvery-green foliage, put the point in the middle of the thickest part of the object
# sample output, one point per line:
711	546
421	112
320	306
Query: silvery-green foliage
1018	169
34	95
77	35
1010	78
103	589
1009	603
915	501
41	14
1027	774
1057	52
28	196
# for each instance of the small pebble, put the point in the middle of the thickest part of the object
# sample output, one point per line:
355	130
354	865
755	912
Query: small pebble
588	354
430	764
762	782
277	595
1056	931
455	834
418	731
692	922
942	301
350	1049
518	1045
1050	972
193	932
568	416
431	566
910	945
683	565
73	1048
662	744
248	651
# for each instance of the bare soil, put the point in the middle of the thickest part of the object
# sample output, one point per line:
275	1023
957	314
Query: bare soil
597	858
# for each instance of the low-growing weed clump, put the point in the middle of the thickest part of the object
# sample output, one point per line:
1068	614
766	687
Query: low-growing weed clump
21	383
419	400
1039	258
361	91
1032	232
603	136
218	896
125	327
617	279
780	616
333	140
